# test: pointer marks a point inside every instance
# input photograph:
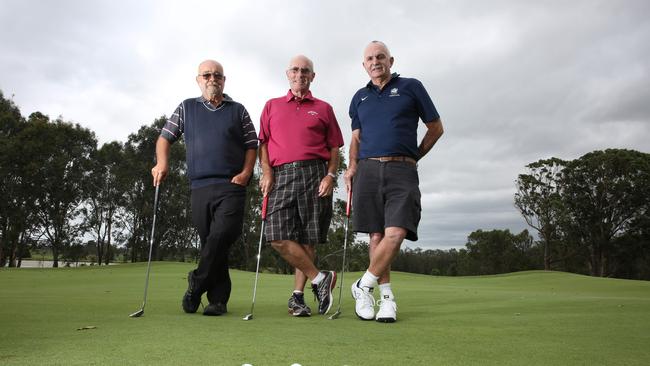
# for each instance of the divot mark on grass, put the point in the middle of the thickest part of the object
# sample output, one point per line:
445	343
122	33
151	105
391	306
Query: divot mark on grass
87	327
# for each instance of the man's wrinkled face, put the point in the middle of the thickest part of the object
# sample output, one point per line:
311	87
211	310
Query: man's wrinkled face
300	74
211	79
377	61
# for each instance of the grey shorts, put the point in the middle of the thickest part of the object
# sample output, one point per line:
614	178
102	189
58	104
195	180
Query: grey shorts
295	212
386	194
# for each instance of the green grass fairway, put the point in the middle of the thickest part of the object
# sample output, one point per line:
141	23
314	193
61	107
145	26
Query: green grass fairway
528	318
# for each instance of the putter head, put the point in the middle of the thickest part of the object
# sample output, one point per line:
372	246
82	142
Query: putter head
137	314
248	317
335	315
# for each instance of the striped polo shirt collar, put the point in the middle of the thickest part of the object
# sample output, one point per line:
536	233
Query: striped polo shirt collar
226	98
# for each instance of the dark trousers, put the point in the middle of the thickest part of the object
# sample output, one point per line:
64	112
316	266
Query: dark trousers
218	215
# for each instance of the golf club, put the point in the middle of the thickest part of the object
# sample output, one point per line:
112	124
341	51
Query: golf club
348	206
140	312
259	255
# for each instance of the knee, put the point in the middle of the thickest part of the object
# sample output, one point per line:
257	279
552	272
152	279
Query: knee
395	236
223	238
279	245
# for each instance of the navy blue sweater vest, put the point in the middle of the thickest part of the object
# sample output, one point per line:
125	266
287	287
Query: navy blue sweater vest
215	141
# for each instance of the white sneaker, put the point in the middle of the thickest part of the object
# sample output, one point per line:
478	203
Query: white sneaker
365	302
387	310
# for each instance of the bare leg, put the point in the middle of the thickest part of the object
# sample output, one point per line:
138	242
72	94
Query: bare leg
296	255
384	252
375	239
300	278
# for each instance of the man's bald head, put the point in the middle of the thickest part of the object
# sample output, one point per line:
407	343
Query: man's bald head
211	80
300	74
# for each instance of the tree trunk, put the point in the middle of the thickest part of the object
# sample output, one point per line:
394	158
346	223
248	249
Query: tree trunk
107	252
99	251
55	256
12	256
547	256
595	264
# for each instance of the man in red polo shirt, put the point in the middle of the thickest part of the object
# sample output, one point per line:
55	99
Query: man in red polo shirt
300	140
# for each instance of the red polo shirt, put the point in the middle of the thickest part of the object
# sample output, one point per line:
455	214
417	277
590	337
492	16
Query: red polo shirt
298	129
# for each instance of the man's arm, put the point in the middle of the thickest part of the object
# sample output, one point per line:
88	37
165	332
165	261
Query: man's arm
249	163
267	180
354	156
326	186
159	172
434	131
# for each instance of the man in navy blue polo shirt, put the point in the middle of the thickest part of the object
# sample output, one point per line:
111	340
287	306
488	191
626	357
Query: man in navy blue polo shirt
383	166
221	146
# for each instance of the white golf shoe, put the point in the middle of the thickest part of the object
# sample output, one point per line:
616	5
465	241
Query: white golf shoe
387	310
365	302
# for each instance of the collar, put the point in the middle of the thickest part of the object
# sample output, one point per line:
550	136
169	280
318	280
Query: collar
393	76
289	97
226	98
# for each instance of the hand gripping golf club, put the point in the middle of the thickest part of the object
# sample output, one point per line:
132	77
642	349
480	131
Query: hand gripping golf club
259	255
140	312
348	206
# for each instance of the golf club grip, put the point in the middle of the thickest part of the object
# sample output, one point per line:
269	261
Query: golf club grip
265	201
348	204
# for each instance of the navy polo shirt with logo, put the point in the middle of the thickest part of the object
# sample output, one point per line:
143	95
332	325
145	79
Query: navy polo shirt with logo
388	118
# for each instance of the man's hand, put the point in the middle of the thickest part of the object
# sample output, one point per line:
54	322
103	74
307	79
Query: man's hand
266	182
349	174
241	179
326	186
159	173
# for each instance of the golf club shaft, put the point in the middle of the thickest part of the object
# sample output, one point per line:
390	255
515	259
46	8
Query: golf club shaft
259	249
153	230
348	207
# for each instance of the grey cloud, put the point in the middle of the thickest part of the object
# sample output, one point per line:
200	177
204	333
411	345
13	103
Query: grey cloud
514	81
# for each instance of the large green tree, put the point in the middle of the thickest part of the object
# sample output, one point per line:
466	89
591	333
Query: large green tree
104	195
17	221
606	194
539	200
174	234
61	165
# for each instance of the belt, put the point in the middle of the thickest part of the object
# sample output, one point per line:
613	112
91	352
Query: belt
385	159
299	164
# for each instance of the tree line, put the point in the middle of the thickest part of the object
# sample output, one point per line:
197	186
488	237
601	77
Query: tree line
64	193
591	216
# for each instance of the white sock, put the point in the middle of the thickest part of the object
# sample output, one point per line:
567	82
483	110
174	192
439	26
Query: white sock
318	278
385	291
298	292
368	280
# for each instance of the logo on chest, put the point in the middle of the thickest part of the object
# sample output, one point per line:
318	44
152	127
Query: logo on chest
312	113
394	92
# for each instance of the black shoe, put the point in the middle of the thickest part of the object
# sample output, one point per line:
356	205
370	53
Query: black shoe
191	299
215	309
323	291
297	306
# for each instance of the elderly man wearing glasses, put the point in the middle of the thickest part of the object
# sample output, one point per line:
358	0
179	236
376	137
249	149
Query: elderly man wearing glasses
299	153
221	146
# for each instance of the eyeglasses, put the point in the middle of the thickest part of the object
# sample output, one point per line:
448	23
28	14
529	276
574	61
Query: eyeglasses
207	75
304	70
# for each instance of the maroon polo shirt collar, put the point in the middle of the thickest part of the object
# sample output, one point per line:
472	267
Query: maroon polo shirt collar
291	97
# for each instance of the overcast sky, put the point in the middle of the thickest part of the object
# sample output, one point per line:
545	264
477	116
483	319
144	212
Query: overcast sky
514	81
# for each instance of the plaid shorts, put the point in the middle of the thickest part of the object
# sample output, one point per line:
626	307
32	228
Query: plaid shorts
295	212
